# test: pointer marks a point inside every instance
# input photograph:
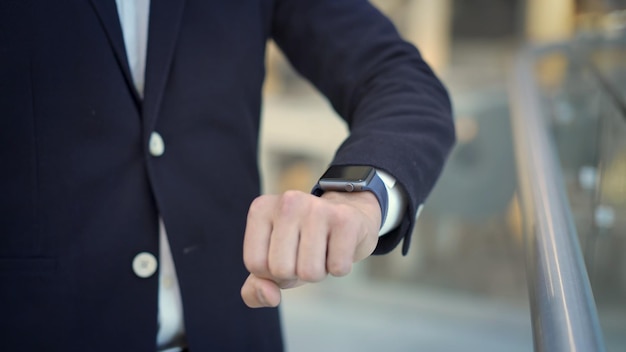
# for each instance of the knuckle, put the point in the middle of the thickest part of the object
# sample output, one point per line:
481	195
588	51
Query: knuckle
311	273
319	210
254	211
281	271
257	204
289	201
255	264
339	267
341	215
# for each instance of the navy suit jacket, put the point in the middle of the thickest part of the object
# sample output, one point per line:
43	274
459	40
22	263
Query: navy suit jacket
80	194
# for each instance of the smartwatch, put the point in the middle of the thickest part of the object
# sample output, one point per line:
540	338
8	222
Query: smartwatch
356	178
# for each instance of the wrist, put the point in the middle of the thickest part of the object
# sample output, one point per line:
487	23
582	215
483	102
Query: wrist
355	179
366	202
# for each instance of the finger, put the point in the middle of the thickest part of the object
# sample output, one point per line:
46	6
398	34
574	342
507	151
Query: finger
285	236
342	243
257	235
356	215
311	261
257	292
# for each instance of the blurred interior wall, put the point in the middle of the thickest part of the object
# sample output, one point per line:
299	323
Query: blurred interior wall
429	27
551	20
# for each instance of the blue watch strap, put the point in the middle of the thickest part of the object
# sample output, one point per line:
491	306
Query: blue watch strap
377	186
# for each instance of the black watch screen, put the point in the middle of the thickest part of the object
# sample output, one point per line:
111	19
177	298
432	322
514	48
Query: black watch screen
355	174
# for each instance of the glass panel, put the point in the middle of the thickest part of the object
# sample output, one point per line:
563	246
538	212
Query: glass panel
585	103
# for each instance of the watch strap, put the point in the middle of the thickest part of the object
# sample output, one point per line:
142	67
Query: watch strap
376	186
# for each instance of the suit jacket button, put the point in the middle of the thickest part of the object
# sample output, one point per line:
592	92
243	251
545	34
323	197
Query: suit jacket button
144	264
156	144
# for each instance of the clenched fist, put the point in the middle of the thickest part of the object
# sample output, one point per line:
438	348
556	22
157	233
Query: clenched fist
296	237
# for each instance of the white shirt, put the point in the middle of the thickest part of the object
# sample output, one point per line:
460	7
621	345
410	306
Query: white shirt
134	18
134	15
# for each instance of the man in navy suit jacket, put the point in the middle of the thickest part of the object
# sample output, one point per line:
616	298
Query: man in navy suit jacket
92	165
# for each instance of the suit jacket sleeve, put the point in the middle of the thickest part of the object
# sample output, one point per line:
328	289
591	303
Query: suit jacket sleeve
398	112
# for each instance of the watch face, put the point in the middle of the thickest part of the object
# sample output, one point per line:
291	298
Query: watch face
349	173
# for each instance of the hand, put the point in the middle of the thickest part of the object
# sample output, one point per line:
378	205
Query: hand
296	237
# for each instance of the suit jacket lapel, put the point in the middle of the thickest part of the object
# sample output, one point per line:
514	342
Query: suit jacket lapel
165	19
107	13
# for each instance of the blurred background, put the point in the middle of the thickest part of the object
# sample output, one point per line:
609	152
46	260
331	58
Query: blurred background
463	285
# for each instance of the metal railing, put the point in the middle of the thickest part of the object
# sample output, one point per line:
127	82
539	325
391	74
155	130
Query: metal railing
563	311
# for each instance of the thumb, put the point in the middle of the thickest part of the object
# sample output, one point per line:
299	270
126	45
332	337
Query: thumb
257	292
